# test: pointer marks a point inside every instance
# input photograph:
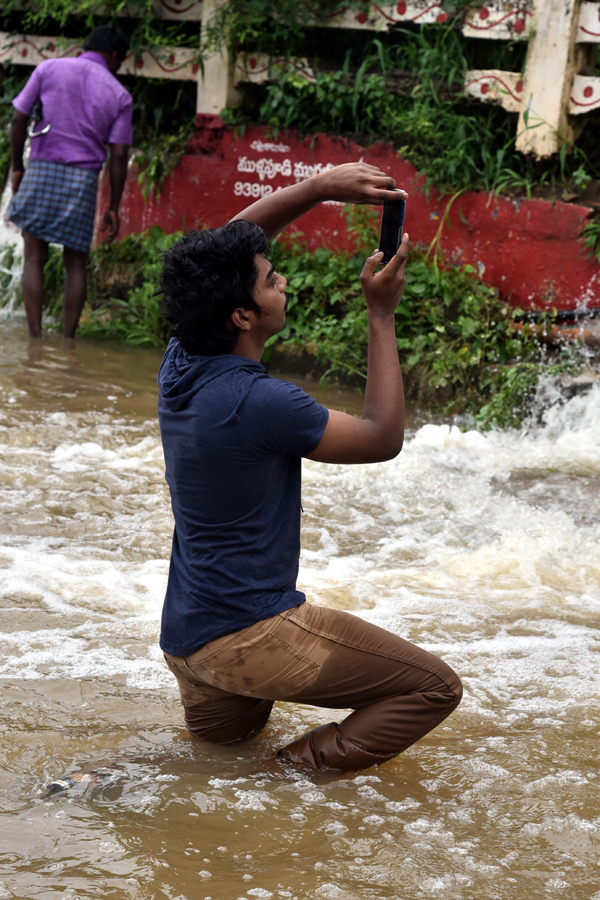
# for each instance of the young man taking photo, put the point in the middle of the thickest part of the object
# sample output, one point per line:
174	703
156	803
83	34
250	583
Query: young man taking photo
236	632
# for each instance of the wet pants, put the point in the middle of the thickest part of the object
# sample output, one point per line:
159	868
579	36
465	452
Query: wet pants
323	657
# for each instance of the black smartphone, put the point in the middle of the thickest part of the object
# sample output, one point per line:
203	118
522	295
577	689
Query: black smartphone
392	221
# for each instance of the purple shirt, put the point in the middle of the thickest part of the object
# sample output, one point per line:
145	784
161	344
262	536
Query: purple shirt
86	106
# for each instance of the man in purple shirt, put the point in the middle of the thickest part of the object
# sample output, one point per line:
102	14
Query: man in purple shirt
83	108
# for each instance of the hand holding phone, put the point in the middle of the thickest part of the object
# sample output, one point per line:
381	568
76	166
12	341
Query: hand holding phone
392	222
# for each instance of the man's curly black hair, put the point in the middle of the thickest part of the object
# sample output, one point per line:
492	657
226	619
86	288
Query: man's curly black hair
206	276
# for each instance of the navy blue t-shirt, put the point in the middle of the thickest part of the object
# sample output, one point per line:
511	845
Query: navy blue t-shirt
233	439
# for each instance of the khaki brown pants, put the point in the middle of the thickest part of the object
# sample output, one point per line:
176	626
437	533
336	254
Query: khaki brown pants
323	657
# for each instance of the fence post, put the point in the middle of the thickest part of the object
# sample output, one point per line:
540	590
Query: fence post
215	83
551	66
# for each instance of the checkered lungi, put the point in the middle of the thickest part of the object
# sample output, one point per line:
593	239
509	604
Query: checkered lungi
56	203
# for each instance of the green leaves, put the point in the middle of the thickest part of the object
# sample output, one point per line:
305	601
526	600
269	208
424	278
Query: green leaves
458	346
455	142
591	235
466	326
158	157
134	317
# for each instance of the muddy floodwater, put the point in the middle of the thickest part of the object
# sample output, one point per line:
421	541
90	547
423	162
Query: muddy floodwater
481	548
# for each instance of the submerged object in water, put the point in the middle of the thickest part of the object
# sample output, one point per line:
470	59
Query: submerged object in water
79	780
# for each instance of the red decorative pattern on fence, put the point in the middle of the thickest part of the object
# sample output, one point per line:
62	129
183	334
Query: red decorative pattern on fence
485	79
519	25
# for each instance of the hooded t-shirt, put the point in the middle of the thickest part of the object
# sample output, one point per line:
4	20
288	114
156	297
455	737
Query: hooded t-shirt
233	437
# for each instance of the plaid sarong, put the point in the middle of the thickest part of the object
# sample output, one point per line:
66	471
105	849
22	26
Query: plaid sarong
56	203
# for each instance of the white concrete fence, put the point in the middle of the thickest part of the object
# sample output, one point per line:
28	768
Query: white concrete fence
556	86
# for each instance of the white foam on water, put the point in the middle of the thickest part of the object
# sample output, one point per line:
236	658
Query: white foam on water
58	653
568	439
85	550
109	614
69	584
80	457
429	545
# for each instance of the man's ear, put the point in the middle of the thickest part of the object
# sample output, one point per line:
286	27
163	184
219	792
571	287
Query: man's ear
240	318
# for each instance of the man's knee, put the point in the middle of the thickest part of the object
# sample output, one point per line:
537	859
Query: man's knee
226	725
442	688
453	689
215	715
74	260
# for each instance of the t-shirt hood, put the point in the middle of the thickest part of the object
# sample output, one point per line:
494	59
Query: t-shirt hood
181	374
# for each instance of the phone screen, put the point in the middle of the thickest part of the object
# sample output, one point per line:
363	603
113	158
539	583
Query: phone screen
392	221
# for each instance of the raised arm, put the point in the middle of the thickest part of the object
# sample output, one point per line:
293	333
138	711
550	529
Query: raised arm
379	434
349	183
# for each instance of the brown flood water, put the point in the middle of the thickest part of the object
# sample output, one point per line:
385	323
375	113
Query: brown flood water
483	549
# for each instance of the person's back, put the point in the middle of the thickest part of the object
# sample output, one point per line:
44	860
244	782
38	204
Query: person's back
85	106
233	438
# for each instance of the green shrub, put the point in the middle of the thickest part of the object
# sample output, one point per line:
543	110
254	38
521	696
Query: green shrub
459	349
455	141
591	236
134	316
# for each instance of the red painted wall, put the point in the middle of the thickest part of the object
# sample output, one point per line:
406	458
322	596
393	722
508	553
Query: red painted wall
531	250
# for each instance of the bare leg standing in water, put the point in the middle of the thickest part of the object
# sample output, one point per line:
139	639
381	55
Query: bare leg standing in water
75	289
75	262
34	260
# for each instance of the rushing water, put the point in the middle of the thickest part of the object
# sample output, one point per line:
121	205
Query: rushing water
482	548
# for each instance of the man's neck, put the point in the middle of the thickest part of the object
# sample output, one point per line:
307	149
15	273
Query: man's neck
247	347
105	59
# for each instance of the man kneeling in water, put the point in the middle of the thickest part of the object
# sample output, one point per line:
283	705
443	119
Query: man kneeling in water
236	632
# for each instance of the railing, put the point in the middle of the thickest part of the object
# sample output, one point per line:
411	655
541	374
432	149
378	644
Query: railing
557	82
